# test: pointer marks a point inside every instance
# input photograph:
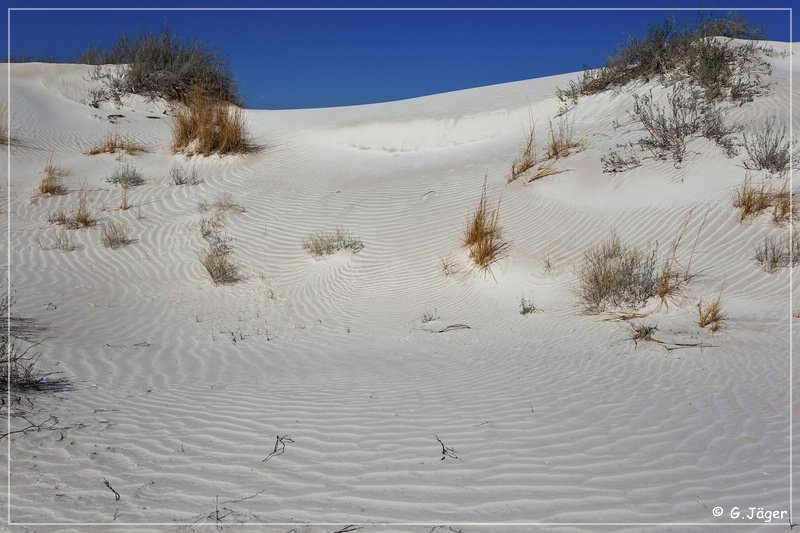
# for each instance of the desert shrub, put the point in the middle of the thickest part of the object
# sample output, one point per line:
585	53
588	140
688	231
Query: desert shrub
114	235
162	65
323	243
785	206
710	314
703	56
51	184
125	176
114	142
778	251
770	149
614	275
181	177
615	161
217	259
483	235
223	203
670	127
62	240
203	125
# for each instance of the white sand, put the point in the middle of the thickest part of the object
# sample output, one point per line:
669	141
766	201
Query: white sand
557	416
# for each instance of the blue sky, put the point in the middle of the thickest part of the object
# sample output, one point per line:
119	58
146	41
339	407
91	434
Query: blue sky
301	59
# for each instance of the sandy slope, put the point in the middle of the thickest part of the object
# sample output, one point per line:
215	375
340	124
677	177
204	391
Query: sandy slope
181	387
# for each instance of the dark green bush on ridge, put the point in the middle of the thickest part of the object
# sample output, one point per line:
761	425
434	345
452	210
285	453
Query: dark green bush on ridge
703	55
161	65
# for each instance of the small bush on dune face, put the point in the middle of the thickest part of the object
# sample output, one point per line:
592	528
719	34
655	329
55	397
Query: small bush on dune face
615	161
326	243
614	275
113	142
202	125
778	252
162	65
770	149
126	176
114	235
217	259
181	177
526	159
751	200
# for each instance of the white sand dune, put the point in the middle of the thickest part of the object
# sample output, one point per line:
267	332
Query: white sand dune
181	387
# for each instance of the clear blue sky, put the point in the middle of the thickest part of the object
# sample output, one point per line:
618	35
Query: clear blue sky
297	59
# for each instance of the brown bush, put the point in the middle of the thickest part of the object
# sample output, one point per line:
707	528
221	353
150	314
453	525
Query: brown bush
114	142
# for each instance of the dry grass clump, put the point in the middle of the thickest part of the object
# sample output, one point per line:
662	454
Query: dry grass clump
771	149
642	332
778	251
324	243
51	184
62	240
112	143
114	235
204	125
222	204
711	314
126	176
526	159
483	235
561	143
81	218
449	266
614	275
674	274
752	200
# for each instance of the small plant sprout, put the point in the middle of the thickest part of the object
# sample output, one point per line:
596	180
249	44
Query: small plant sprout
526	305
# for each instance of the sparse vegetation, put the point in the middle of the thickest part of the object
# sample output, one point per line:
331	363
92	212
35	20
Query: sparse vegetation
430	317
114	235
684	118
449	266
62	241
642	332
324	243
674	274
770	149
160	65
125	176
614	275
112	143
217	259
526	159
181	177
710	314
703	56
51	184
778	251
204	125
4	138
483	235
615	161
222	204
